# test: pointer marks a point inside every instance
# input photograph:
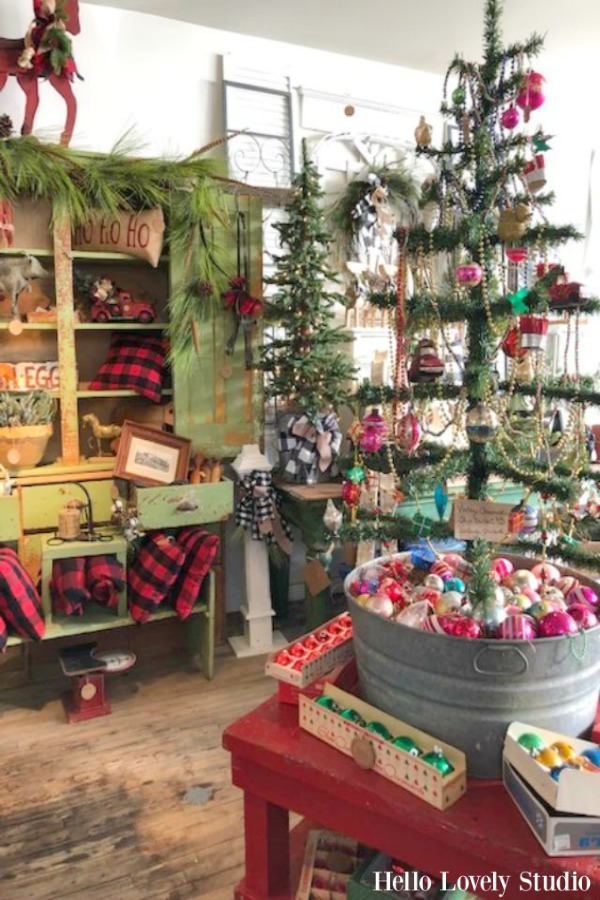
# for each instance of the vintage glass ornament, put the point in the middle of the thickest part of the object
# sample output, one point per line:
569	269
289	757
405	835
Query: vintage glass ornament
438	760
382	606
442	568
403	742
547	573
583	615
414	616
328	703
350	493
356	474
567	583
371	441
332	517
350	715
557	624
465	628
510	118
534	332
434	582
448	602
458	95
455	584
432	625
531	742
584	594
593	754
469	275
564	750
524	578
531	96
529	523
423	558
503	567
425	366
380	730
481	424
553	594
517	628
375	421
548	758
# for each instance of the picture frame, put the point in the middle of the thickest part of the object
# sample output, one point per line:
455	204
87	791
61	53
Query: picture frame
149	456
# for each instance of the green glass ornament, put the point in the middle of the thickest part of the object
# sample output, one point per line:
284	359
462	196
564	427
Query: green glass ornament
408	745
379	729
437	759
458	96
531	742
328	703
352	716
356	474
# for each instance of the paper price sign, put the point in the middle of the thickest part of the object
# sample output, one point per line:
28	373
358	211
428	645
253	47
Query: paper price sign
480	519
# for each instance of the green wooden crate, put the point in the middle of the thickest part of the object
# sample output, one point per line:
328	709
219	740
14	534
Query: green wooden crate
9	518
177	505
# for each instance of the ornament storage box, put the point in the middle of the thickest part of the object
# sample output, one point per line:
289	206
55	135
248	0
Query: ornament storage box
559	834
576	791
371	751
329	859
331	655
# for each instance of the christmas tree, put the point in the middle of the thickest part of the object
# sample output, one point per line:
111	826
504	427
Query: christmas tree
307	369
485	255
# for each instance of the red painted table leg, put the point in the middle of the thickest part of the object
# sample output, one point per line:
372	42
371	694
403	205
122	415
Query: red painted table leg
267	851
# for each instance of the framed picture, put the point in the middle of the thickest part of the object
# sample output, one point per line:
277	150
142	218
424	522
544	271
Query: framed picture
149	456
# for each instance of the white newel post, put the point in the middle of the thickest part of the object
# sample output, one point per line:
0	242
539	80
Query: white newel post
257	611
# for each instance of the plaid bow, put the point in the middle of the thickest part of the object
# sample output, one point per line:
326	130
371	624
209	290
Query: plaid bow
257	510
312	445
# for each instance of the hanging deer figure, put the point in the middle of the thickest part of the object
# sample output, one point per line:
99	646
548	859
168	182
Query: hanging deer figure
44	53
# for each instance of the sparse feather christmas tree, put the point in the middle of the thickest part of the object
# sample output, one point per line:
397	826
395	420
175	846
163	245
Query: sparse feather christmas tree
497	244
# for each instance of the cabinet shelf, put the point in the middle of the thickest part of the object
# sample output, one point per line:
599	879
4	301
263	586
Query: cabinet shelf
32	326
96	619
85	394
46	253
120	326
98	256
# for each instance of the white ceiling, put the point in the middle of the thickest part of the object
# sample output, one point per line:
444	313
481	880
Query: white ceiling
421	34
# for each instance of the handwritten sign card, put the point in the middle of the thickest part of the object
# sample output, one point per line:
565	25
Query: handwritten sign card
480	519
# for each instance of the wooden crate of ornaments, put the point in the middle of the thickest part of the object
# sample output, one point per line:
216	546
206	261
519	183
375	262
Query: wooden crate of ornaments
370	751
314	654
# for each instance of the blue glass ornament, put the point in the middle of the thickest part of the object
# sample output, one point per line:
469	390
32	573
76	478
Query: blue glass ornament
440	495
455	584
593	754
423	558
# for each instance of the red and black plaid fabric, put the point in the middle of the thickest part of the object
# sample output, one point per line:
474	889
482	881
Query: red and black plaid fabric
200	550
20	604
3	635
104	579
152	575
136	363
68	586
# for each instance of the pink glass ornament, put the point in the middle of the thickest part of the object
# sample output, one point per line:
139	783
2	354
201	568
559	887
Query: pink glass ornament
583	594
547	573
503	567
408	432
583	615
531	594
375	420
531	96
463	627
441	568
517	628
567	583
557	624
510	118
433	625
469	275
371	441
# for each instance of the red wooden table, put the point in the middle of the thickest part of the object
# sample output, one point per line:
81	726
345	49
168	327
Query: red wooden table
280	768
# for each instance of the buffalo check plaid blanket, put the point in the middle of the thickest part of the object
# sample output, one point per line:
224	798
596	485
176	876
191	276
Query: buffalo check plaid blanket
104	579
68	586
200	550
135	362
20	604
3	635
152	575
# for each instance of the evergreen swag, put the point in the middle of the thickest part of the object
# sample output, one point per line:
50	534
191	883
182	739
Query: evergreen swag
80	185
305	368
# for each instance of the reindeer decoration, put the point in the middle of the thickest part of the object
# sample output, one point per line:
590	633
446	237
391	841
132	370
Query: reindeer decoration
44	53
101	432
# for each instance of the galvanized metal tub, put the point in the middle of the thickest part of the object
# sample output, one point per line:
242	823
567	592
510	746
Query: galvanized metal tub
467	692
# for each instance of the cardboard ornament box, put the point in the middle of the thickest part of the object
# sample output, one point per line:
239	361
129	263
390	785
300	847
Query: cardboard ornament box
559	834
330	646
370	751
576	791
329	861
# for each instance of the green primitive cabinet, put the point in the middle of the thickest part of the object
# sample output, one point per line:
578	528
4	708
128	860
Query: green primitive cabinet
215	401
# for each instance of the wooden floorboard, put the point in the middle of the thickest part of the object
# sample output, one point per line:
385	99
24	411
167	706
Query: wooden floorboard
97	811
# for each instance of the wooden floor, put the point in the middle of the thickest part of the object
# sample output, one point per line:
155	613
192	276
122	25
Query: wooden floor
98	810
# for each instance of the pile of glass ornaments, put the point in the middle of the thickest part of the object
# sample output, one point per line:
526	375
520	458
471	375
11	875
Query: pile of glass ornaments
430	592
315	644
560	755
434	757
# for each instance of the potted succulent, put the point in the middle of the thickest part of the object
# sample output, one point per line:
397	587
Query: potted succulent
25	427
